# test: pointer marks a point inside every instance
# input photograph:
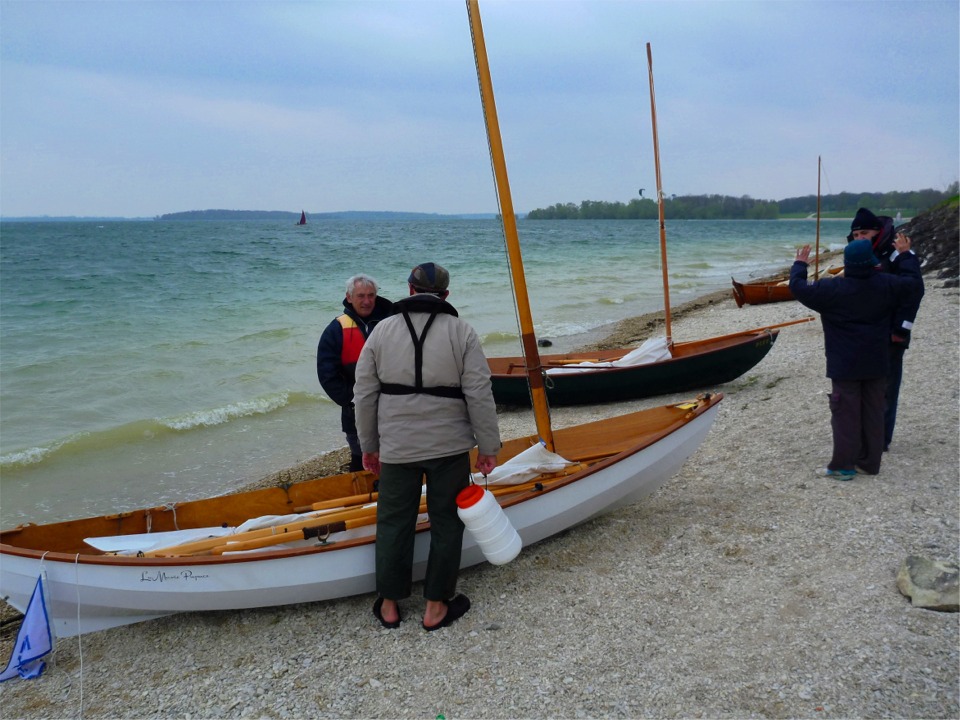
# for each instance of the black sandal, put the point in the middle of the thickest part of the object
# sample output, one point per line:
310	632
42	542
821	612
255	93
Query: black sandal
457	607
378	614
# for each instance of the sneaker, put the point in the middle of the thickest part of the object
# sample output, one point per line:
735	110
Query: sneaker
837	474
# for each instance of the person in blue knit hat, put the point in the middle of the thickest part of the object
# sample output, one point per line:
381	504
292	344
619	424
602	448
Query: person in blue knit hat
880	231
856	312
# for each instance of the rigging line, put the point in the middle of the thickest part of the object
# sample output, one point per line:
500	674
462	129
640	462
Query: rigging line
528	340
826	179
493	173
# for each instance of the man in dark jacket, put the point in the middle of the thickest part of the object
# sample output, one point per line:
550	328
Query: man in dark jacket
881	234
340	346
855	311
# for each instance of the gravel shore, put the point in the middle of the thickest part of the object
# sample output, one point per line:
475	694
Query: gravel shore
747	587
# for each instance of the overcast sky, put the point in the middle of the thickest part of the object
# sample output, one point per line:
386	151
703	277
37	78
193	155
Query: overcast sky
141	108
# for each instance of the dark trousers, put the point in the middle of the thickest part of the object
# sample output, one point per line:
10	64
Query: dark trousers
348	423
856	417
894	377
400	490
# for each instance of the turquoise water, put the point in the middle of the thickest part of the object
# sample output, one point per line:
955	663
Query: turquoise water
150	362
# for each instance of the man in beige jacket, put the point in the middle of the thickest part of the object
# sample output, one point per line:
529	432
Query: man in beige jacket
423	400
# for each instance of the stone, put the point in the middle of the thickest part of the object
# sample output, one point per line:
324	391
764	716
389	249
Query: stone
931	584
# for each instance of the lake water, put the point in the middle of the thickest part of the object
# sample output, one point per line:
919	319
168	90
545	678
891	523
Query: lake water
150	362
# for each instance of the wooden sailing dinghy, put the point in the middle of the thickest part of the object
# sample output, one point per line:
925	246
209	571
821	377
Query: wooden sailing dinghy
323	557
655	368
777	289
771	290
314	540
759	292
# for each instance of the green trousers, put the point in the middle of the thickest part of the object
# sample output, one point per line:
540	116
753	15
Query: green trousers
401	486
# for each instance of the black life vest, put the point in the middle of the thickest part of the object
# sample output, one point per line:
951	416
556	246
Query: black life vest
413	305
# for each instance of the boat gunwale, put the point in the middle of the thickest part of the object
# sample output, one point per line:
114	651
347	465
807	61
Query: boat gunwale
688	350
706	401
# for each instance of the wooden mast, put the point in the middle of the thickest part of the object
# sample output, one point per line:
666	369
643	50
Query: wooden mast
663	231
816	256
531	354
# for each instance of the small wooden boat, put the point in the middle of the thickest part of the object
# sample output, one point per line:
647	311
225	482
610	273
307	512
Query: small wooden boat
777	289
758	292
189	556
604	375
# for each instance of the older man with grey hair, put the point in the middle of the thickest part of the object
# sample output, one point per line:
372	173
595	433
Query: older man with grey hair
340	346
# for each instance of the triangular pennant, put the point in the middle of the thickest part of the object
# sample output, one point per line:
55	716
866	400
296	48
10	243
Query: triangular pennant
34	639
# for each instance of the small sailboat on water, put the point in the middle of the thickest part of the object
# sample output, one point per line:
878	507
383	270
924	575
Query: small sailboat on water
303	218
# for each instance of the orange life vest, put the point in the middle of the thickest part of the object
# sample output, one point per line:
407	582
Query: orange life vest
352	340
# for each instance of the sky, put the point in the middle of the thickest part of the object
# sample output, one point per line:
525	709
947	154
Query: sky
137	108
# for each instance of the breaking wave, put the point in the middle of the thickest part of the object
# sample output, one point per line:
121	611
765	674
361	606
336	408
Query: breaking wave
156	428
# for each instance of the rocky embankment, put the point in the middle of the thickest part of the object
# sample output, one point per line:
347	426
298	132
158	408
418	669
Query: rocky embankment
936	240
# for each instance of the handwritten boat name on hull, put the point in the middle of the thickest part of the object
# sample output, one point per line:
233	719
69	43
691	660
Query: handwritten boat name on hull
163	576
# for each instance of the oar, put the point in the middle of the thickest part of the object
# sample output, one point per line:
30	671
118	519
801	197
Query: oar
369	518
767	327
206	544
304	533
285	533
339	502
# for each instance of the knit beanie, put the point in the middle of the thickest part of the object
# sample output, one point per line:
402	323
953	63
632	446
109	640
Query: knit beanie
865	220
858	256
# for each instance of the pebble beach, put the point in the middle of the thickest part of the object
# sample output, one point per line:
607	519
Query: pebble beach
746	587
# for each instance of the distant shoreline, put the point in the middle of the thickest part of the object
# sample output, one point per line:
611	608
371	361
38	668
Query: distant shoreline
259	215
352	215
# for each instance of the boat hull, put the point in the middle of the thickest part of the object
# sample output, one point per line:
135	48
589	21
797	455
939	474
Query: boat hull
90	592
760	293
694	365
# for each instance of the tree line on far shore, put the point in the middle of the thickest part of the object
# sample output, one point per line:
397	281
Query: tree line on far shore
725	207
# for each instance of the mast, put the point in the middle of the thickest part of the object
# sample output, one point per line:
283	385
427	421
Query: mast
816	257
663	231
531	354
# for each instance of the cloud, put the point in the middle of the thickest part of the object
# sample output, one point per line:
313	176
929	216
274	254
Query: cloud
118	108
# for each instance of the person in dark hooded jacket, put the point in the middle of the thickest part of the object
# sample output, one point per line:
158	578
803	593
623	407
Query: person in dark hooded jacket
855	311
880	231
340	346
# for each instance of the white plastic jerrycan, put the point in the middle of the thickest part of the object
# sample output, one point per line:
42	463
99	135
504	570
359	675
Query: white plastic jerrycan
489	525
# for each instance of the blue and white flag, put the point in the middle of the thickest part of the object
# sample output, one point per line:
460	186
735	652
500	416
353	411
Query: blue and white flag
34	640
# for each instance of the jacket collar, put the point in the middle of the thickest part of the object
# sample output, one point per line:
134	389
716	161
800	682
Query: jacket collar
424	303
